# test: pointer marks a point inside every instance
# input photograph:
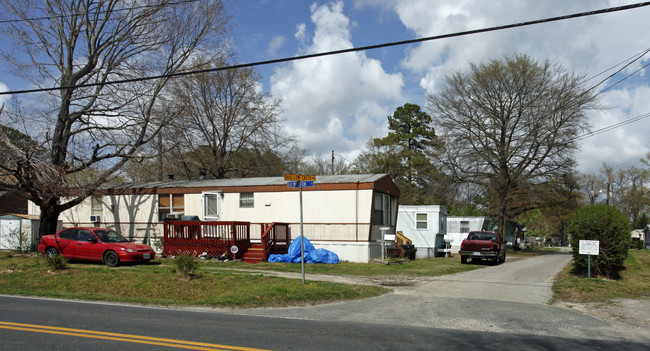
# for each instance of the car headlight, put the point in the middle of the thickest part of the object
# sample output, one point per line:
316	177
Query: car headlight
130	250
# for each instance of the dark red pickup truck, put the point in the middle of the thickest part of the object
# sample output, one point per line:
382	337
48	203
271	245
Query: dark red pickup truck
483	246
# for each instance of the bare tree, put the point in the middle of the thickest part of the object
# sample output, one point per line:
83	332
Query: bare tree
319	165
227	126
510	125
90	128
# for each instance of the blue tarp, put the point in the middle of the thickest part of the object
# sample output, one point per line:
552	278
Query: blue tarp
312	255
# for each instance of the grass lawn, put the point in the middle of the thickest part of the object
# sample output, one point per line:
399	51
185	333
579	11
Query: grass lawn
231	284
634	283
422	267
159	284
215	284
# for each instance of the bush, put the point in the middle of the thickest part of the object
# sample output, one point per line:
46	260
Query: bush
56	262
611	228
186	265
636	245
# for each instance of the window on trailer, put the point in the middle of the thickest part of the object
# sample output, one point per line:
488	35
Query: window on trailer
246	200
170	203
211	206
382	209
421	221
96	205
464	226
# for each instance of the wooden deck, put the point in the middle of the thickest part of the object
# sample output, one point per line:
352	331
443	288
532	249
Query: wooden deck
214	238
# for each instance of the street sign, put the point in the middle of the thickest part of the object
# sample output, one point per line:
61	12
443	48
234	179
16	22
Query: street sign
297	177
299	184
589	247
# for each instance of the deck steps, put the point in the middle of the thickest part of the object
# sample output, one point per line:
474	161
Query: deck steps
255	254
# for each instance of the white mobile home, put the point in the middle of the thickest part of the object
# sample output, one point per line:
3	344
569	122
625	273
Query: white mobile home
459	227
341	213
425	225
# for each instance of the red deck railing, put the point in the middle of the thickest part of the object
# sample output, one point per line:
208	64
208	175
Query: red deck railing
213	238
275	238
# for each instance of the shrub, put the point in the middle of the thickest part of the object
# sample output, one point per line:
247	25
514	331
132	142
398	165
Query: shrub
186	265
56	262
611	228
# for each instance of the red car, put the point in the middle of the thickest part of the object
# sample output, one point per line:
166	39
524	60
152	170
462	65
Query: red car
95	244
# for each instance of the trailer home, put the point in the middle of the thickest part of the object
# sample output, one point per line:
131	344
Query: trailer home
341	213
426	226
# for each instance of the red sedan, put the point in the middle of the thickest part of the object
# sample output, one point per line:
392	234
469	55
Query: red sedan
95	244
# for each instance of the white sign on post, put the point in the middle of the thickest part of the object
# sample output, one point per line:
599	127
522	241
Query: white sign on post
589	247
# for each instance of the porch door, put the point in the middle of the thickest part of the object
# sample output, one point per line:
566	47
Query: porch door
211	206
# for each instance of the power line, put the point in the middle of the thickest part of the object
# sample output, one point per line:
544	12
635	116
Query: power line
635	57
83	13
617	72
624	78
343	51
612	127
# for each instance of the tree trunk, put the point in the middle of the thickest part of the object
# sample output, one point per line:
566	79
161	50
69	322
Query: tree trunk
49	216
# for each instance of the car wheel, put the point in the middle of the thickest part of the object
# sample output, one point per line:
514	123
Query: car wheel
495	260
51	252
111	259
503	260
463	259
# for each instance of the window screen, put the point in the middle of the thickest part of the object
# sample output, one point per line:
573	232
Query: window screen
421	220
246	200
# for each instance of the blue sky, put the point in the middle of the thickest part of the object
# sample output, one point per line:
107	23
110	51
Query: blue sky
340	102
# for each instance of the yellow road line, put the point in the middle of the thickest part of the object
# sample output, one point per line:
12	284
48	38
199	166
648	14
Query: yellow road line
122	337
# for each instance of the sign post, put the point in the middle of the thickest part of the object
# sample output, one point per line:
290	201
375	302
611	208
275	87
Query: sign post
300	181
589	247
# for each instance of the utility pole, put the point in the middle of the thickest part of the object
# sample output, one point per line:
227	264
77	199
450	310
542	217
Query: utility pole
332	162
609	182
160	157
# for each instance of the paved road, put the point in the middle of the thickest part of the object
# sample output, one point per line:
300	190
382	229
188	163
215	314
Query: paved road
498	307
48	324
511	298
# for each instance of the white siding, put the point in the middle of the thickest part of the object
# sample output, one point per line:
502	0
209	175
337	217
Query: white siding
454	233
428	239
338	220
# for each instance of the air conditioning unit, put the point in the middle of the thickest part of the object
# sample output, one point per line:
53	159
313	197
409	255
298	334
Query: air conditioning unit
175	215
95	218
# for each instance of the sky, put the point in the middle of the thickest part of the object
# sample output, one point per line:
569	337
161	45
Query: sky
338	103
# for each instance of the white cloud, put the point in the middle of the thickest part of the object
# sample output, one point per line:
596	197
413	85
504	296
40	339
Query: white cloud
4	98
277	42
301	34
623	146
335	102
585	45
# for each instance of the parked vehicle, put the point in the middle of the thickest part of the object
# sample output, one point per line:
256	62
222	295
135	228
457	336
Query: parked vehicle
95	244
483	245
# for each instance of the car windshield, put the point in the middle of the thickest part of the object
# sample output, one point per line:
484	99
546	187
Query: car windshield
110	236
482	236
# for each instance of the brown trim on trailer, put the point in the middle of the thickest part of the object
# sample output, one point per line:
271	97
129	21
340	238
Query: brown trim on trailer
382	185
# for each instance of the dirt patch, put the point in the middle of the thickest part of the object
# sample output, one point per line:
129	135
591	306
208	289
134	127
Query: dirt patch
396	280
631	313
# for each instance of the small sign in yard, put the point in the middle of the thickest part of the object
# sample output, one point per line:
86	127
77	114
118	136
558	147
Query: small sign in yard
589	247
